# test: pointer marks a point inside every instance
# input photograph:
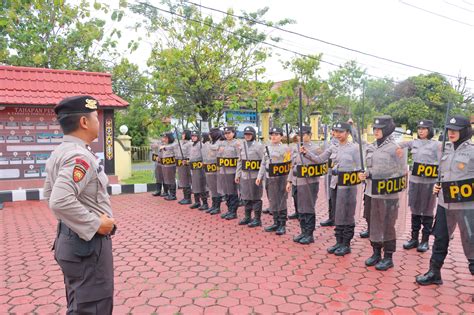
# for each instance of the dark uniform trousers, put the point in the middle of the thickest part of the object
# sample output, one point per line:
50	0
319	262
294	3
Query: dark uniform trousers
343	233
442	237
88	271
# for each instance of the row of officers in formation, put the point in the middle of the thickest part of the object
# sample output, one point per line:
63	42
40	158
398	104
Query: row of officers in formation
76	190
233	170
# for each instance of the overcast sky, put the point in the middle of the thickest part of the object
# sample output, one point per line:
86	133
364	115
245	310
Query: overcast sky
432	34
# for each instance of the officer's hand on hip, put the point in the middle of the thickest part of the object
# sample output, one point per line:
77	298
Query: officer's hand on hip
258	181
436	189
237	180
106	225
288	187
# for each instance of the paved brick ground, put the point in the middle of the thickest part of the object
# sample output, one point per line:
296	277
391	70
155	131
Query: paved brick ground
173	260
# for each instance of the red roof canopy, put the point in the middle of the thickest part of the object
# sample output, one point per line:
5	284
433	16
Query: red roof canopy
39	86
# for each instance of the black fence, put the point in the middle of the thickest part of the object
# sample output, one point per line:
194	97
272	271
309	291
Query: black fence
141	154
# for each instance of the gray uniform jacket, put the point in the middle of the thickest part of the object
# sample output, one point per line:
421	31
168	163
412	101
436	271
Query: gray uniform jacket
424	152
76	187
300	159
249	151
457	165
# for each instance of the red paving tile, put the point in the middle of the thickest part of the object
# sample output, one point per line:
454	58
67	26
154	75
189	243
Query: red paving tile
173	260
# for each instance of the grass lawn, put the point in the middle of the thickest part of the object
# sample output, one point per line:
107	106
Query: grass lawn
140	177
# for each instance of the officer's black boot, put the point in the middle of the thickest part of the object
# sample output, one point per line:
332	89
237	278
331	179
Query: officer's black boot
415	229
433	276
424	245
330	220
348	234
376	256
257	208
426	232
274	226
298	237
413	242
197	202
386	263
366	233
471	266
226	198
217	209
157	193
338	232
282	222
310	223
248	212
171	193
187	196
213	206
166	189
233	204
204	205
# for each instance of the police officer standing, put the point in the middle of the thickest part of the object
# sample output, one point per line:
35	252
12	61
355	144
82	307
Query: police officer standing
76	190
275	167
198	176
228	154
455	198
248	165
182	166
155	147
209	152
168	164
386	183
425	152
305	176
331	211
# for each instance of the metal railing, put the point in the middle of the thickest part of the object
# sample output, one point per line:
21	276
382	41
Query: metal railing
141	154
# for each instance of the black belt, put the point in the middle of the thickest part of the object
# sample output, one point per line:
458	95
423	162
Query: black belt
64	229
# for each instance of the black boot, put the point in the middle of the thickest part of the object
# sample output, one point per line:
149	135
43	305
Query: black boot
171	193
327	222
364	234
187	196
386	263
232	205
197	202
413	243
282	222
433	276
166	189
213	206
274	226
310	224
293	216
257	216
157	193
248	212
338	232
424	245
204	205
217	208
376	256
471	266
347	234
302	227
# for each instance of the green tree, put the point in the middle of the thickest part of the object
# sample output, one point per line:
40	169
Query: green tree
203	65
408	111
53	34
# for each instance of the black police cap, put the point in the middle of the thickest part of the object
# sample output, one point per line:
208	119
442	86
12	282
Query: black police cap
76	105
276	130
194	133
382	121
425	123
342	126
306	129
229	129
249	130
458	122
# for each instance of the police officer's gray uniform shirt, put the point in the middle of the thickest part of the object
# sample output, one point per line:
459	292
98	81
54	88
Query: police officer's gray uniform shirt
226	183
76	187
250	153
